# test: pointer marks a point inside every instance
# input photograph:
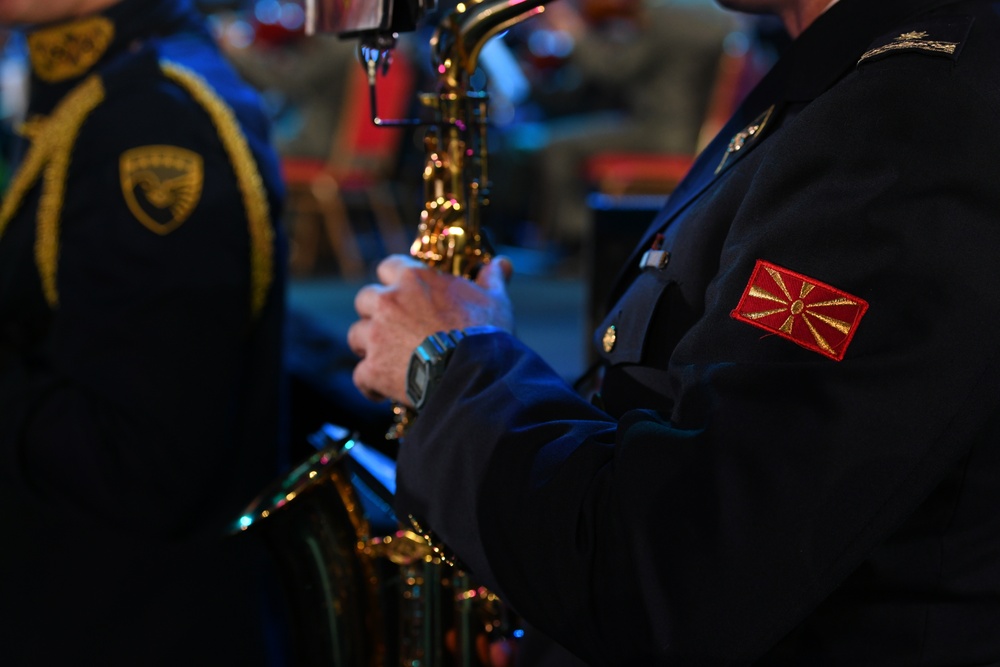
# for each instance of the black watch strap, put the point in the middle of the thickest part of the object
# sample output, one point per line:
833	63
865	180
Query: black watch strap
427	365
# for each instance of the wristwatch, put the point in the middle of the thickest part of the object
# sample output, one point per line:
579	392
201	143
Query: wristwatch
427	365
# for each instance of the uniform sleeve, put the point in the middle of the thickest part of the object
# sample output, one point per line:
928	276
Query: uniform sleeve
704	532
134	417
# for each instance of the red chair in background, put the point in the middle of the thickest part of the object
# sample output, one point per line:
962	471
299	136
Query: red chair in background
357	174
616	173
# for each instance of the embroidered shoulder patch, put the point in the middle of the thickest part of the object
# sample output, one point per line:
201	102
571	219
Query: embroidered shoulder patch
162	185
942	37
807	312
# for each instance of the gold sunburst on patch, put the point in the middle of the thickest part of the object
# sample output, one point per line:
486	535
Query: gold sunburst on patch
69	50
162	185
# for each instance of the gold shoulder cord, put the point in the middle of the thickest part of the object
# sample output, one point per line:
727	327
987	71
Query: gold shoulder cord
247	176
51	147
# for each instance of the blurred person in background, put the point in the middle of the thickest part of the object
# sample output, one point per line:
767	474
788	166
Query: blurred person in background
307	84
142	282
303	78
646	70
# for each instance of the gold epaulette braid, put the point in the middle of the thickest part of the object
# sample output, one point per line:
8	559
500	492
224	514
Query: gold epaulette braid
247	176
52	142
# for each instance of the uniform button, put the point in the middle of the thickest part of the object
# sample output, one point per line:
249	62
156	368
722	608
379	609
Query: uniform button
610	336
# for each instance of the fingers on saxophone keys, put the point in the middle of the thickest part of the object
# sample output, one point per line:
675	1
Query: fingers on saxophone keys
366	301
357	337
393	267
365	373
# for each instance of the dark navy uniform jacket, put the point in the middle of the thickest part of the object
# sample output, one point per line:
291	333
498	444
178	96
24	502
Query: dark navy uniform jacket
797	458
141	301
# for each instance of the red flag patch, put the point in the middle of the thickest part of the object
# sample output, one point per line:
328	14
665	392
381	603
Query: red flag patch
805	311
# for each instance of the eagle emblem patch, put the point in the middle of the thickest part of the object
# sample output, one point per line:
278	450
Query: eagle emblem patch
162	185
807	312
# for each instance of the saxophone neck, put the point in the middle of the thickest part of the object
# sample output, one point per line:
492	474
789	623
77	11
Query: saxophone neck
461	35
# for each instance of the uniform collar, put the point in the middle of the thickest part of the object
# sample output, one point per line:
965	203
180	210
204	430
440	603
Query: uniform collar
61	54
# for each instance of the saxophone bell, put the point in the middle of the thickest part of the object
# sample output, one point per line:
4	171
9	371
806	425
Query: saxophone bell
361	590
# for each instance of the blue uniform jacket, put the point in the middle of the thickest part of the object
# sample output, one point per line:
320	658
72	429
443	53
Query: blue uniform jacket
141	305
793	459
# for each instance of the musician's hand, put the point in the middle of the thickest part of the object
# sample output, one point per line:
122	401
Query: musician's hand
412	302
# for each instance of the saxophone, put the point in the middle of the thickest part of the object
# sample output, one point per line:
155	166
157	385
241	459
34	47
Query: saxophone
455	176
363	591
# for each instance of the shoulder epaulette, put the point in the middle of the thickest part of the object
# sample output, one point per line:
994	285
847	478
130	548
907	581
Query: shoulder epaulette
942	37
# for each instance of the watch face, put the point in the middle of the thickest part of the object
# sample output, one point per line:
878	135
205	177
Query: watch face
427	365
416	382
420	377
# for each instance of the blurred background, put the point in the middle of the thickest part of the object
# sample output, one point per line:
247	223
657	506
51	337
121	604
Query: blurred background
597	108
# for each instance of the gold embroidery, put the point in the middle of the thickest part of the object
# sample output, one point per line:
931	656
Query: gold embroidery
31	128
763	313
762	293
51	151
819	337
780	281
52	144
24	178
247	176
62	132
745	136
840	325
162	185
836	302
66	51
911	40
